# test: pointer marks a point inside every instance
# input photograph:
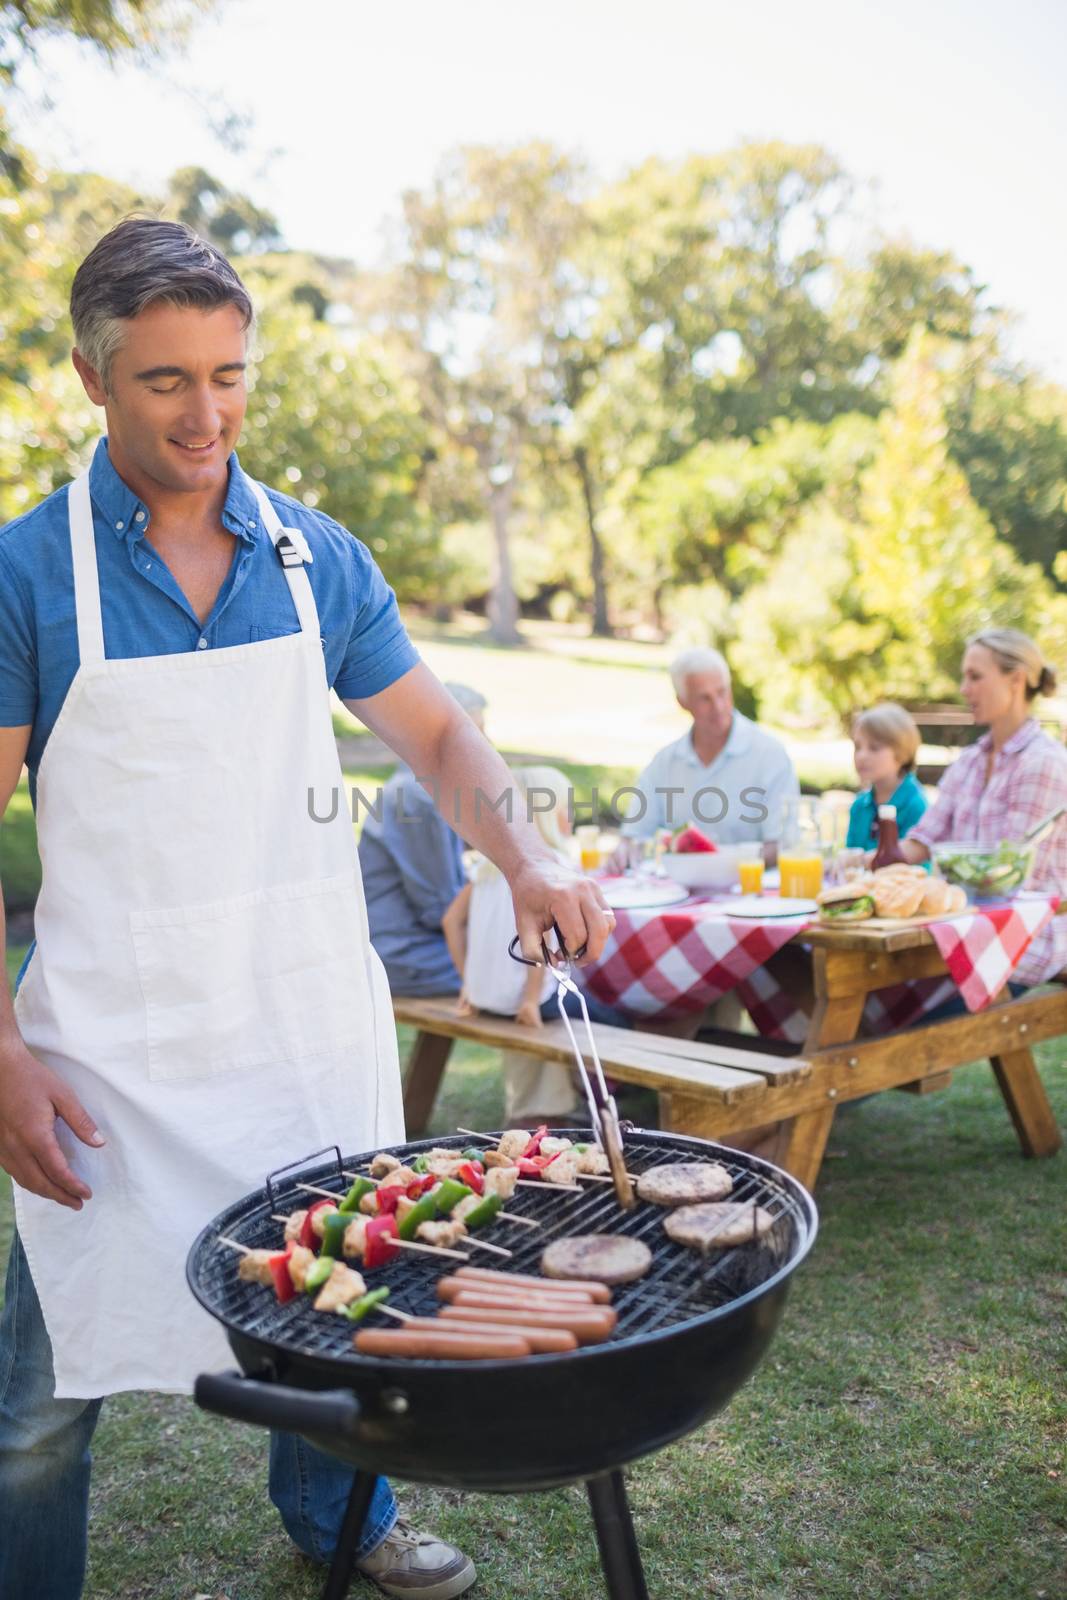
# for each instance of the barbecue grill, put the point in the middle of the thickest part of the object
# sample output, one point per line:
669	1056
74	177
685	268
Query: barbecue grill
688	1334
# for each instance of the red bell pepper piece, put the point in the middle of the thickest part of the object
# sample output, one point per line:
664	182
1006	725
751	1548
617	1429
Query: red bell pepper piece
420	1186
378	1247
389	1195
284	1287
534	1166
472	1173
535	1141
308	1237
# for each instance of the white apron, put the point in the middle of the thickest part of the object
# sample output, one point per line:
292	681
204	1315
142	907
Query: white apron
203	977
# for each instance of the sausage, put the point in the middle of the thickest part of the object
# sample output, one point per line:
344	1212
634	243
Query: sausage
588	1327
532	1302
442	1344
542	1341
590	1291
448	1288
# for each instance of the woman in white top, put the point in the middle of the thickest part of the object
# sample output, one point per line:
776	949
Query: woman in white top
479	925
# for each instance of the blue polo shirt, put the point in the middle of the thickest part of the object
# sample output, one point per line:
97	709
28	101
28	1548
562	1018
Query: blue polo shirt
909	800
145	613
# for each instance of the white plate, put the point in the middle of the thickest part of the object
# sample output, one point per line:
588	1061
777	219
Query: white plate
759	906
639	893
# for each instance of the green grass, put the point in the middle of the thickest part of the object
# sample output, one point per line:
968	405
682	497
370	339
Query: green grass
903	1438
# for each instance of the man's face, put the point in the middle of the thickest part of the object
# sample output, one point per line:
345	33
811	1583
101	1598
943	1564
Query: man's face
709	699
177	395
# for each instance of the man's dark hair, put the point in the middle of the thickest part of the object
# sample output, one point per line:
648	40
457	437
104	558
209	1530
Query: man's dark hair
142	261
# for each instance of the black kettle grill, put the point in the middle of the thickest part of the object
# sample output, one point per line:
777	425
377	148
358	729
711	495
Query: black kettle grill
688	1335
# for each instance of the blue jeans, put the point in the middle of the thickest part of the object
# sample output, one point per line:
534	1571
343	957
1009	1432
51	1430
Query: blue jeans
45	1462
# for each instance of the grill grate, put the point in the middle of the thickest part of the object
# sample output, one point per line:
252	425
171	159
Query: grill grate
680	1287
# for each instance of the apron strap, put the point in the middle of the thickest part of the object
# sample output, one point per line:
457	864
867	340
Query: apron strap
86	578
293	554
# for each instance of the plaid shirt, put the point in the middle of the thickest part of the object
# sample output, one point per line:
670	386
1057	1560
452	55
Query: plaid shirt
1027	781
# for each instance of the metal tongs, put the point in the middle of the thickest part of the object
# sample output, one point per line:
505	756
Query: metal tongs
1043	828
603	1113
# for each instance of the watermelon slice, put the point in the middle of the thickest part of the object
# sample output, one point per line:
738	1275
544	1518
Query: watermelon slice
690	841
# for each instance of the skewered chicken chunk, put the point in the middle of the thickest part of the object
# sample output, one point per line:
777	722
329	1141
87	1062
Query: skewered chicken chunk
564	1169
446	1233
464	1207
513	1142
383	1165
501	1181
253	1267
355	1237
403	1206
299	1262
294	1225
342	1287
592	1160
369	1204
318	1221
552	1147
444	1163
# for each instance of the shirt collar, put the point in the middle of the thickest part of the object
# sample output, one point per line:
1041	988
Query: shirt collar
128	516
1018	741
737	741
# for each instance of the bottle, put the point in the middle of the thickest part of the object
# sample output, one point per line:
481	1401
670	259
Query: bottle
888	849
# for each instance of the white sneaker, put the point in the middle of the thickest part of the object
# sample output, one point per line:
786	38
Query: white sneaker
416	1566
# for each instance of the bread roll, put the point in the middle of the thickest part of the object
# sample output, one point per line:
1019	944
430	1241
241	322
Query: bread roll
937	897
959	898
896	895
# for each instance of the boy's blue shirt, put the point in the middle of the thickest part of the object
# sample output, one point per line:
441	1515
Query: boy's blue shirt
909	800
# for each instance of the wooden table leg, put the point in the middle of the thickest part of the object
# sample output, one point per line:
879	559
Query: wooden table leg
1027	1103
426	1066
804	1142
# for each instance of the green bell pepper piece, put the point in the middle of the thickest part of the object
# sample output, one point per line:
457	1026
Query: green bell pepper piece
424	1210
318	1273
448	1194
476	1152
333	1234
481	1214
351	1200
421	1165
367	1302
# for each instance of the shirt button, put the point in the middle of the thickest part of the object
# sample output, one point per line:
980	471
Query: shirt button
201	644
120	526
148	566
139	517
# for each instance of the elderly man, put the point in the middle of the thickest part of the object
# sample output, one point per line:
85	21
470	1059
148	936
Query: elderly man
202	1004
412	865
726	775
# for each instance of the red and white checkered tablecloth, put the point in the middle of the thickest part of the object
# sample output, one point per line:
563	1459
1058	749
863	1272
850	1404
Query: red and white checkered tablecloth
670	963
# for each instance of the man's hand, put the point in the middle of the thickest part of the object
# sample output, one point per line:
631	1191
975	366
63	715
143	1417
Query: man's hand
547	891
31	1098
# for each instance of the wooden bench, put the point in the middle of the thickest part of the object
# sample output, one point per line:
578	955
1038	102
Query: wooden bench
691	1079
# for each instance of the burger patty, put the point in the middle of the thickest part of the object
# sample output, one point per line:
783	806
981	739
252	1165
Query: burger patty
685	1184
716	1227
604	1257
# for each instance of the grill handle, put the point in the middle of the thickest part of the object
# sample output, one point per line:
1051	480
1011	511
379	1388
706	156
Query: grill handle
330	1412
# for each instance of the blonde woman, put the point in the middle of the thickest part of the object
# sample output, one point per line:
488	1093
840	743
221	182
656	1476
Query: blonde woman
479	925
1008	781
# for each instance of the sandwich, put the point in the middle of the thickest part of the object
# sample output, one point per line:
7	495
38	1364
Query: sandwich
845	902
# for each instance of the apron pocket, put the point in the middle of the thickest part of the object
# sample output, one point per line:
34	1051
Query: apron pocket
258	979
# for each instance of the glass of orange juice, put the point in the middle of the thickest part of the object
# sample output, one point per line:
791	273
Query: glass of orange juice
750	866
800	872
800	849
588	837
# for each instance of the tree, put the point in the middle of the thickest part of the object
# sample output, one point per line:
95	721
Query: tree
479	278
875	598
230	220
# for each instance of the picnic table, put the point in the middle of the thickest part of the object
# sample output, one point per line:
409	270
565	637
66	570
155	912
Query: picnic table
818	986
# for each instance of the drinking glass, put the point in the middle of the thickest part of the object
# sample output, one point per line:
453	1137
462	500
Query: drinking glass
800	849
750	866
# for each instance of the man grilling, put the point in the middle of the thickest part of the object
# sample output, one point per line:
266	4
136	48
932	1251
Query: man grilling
202	1003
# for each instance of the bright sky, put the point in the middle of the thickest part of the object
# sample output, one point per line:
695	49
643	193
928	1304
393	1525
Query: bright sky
953	109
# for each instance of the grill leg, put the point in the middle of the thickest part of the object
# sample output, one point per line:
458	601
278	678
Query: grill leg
619	1555
344	1557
